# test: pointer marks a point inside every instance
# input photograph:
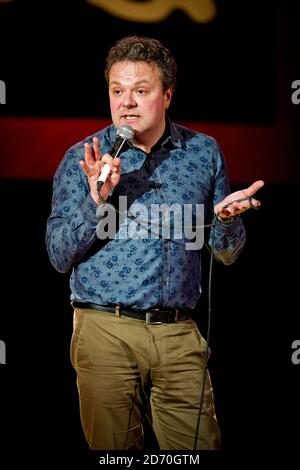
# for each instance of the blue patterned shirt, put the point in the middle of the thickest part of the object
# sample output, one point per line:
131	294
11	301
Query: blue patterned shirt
184	168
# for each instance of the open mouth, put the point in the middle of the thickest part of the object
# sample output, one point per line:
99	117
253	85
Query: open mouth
130	117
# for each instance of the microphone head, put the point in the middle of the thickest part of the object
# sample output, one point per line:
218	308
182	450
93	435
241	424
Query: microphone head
125	132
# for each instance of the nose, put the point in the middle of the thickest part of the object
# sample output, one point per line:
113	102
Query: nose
128	100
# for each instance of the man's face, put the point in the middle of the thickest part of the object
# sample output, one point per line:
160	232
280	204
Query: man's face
137	98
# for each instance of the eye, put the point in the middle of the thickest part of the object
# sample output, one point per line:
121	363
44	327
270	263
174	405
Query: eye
141	91
116	92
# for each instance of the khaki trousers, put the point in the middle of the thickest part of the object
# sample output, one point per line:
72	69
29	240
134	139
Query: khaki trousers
126	367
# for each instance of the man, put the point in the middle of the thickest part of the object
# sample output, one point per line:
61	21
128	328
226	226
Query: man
135	345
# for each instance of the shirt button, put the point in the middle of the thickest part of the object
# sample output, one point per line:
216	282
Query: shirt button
164	282
156	185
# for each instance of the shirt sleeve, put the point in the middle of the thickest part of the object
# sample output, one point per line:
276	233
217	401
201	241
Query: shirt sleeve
229	239
71	227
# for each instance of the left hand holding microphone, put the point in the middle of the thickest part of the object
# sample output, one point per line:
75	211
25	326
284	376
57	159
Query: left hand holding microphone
93	164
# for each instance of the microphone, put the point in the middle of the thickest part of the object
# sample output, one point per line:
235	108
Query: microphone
124	133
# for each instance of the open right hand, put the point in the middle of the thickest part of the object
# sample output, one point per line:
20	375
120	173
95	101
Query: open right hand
92	166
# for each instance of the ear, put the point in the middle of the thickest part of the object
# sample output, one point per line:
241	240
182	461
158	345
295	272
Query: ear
168	97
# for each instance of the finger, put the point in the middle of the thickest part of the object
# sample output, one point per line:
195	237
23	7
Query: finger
91	172
96	147
116	166
117	162
250	203
254	203
114	179
106	158
253	188
234	209
88	155
85	168
224	214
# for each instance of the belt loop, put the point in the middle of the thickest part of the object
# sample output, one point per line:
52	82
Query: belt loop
176	314
117	311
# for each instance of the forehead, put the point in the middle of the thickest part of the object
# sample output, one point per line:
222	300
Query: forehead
128	71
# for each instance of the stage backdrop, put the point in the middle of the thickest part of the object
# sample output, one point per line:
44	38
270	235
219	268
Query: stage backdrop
234	78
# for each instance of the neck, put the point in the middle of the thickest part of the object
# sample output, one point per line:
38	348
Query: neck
147	140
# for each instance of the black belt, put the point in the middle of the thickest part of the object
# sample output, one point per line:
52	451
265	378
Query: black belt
153	316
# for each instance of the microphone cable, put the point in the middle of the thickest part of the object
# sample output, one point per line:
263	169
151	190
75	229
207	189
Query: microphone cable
209	308
209	317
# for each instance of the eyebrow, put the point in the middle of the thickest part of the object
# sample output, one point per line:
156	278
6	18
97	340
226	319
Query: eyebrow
139	82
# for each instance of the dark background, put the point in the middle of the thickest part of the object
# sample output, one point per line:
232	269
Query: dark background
56	65
236	70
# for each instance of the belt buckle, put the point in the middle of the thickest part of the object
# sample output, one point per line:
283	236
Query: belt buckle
149	314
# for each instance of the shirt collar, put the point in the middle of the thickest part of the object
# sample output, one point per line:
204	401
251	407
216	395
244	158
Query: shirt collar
173	135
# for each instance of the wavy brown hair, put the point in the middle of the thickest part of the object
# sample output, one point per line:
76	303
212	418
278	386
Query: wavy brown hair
144	49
